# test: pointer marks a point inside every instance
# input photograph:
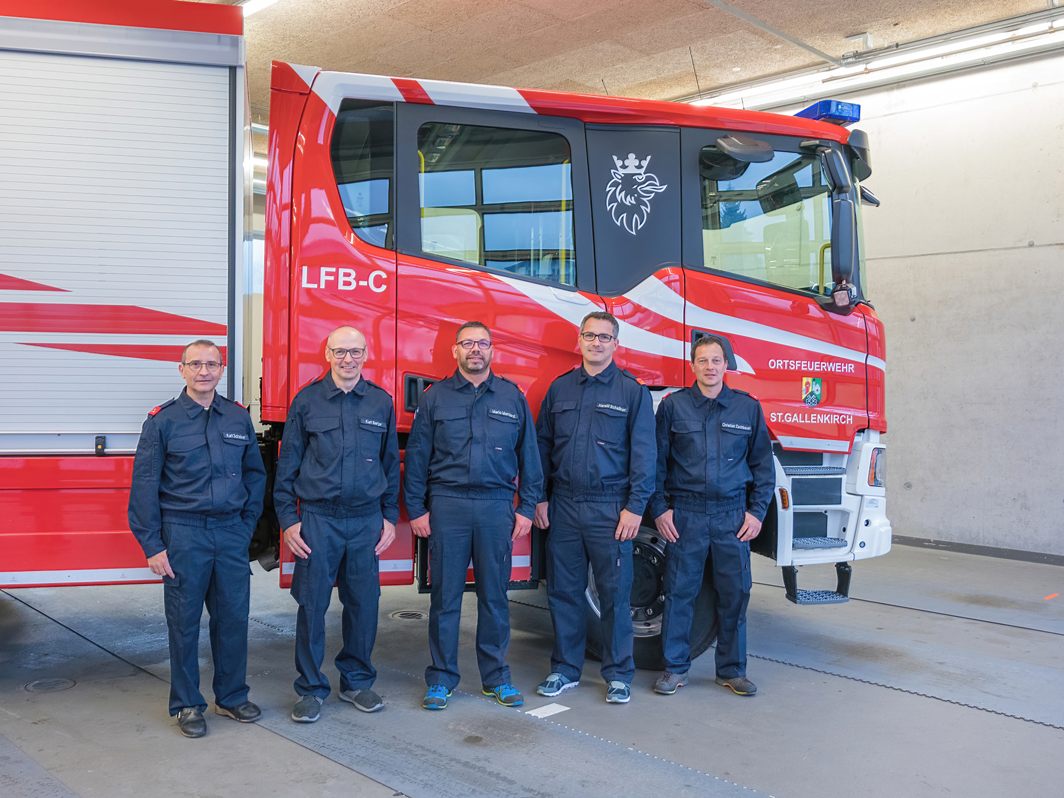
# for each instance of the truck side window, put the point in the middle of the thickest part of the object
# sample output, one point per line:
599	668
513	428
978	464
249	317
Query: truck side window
498	198
363	162
769	221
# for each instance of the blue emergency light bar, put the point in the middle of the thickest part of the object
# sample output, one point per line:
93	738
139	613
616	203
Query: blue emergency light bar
834	111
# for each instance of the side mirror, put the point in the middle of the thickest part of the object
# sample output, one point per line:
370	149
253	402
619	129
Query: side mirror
843	228
860	154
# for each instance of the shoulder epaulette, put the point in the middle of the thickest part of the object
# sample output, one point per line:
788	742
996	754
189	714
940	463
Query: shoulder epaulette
507	379
741	393
567	373
630	375
155	410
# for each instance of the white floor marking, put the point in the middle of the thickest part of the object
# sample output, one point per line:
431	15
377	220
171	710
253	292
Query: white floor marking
547	710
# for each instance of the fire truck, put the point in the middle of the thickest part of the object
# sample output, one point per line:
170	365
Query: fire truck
404	208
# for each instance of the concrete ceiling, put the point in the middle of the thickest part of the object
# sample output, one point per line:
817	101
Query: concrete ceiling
638	48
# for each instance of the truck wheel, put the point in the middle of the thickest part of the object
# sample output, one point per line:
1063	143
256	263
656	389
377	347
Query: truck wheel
648	602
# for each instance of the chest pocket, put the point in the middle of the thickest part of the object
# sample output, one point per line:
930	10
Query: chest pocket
325	439
234	450
734	443
502	432
187	452
563	417
688	438
609	425
452	427
370	431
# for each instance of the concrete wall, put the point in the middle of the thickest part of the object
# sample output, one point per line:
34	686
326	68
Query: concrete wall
966	268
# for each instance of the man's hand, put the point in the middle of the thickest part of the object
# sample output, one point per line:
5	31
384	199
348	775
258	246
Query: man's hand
627	526
750	529
542	520
387	536
522	526
420	526
294	540
666	528
160	564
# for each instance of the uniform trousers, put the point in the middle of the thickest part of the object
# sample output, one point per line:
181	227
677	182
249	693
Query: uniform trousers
707	540
209	558
480	530
342	553
582	532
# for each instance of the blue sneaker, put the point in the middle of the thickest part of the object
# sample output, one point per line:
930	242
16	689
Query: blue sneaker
505	694
618	693
436	697
555	684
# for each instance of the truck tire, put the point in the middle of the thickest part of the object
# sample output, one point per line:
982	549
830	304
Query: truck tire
647	602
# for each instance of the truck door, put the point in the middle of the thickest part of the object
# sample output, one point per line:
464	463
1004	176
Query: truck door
757	235
493	212
491	227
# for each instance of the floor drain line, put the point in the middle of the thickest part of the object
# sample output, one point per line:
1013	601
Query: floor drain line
282	629
905	690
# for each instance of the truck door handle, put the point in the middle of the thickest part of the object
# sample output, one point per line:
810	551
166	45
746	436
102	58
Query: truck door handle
413	386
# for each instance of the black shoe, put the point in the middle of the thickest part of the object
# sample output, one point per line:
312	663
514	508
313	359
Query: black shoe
191	723
245	713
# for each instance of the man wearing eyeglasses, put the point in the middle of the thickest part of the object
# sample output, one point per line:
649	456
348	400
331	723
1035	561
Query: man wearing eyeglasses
471	440
340	459
596	439
198	483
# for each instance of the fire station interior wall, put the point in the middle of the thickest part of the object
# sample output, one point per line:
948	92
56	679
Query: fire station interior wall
966	267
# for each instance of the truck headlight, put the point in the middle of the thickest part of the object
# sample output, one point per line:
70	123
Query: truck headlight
877	468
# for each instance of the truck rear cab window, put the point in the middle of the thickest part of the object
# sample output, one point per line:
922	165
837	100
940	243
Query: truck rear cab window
363	162
768	221
498	198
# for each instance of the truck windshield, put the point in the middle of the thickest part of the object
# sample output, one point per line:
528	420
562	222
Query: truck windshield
769	221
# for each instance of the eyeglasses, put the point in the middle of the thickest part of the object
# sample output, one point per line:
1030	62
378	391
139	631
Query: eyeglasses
469	343
355	352
196	365
604	338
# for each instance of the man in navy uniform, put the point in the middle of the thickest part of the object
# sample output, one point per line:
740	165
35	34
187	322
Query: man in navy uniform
472	438
596	439
340	459
197	489
715	479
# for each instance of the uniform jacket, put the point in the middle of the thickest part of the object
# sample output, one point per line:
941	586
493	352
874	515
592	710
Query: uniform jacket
192	459
472	441
339	449
715	450
596	437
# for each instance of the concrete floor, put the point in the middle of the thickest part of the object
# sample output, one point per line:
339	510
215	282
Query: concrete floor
942	677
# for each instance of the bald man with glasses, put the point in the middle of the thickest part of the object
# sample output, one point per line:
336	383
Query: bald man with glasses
340	459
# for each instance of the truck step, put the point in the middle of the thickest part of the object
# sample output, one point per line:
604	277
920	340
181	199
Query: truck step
839	595
818	543
819	597
813	471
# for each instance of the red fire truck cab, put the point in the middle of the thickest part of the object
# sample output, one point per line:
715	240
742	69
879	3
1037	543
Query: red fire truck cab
405	207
